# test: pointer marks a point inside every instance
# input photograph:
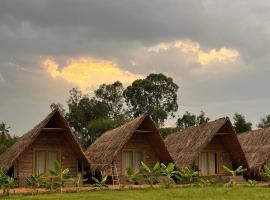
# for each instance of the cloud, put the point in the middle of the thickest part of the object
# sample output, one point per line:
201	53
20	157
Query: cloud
195	53
87	72
1	78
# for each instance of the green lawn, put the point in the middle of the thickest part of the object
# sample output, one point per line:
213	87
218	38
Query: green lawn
210	193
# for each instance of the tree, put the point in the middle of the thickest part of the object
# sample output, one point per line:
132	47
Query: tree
156	95
112	95
265	122
83	110
6	140
240	123
189	119
96	127
58	106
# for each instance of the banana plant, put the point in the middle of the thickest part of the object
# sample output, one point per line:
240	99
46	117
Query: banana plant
151	175
266	171
188	174
251	183
78	181
131	176
101	184
9	184
60	173
35	181
234	173
170	172
3	179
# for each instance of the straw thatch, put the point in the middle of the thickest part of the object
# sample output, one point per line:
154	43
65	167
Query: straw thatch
186	146
256	145
10	156
103	151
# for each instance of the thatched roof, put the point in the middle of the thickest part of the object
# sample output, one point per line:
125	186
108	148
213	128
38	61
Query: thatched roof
9	157
103	151
256	145
186	145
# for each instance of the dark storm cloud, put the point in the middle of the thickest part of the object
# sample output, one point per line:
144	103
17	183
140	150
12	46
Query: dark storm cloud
122	30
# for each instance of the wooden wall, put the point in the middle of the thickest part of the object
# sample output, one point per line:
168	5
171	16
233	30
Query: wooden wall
23	168
223	154
139	142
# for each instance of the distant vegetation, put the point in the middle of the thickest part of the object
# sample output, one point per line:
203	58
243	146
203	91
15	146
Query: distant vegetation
6	140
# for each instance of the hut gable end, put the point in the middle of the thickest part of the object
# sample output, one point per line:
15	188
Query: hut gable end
107	147
185	146
53	123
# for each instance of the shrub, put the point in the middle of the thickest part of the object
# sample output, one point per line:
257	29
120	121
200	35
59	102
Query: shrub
151	175
61	174
35	182
234	173
101	184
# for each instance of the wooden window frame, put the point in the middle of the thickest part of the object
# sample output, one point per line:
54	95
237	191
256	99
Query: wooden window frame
46	150
218	156
134	151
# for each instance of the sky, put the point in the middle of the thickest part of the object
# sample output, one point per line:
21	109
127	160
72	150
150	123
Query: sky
217	51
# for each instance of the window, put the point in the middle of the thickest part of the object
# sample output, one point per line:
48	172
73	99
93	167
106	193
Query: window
131	159
208	163
44	160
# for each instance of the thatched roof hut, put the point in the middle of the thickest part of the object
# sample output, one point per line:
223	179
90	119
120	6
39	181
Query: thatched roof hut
185	146
106	148
256	145
8	159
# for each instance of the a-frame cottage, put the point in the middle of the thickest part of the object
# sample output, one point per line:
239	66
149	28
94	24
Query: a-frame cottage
126	146
256	145
207	147
36	151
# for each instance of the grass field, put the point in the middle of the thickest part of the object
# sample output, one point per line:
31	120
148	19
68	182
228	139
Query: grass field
221	193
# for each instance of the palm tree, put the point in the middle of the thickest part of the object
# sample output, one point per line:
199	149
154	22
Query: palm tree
4	132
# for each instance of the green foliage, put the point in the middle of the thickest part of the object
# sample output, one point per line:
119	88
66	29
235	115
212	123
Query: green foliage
170	173
58	106
78	181
60	173
112	95
156	95
207	182
101	184
151	175
189	119
266	171
35	182
188	175
6	140
240	124
264	122
83	110
234	173
251	183
96	127
132	177
90	116
185	193
7	183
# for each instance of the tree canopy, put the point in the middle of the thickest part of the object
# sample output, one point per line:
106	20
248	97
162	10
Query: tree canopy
156	95
112	96
264	122
240	123
6	140
189	119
